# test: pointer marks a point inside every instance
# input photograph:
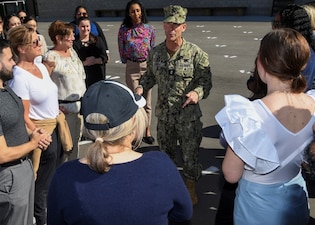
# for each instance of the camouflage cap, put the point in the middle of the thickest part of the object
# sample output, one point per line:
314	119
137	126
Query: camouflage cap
175	14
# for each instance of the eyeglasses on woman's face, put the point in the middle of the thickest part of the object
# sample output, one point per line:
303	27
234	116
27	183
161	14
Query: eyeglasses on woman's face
82	14
36	42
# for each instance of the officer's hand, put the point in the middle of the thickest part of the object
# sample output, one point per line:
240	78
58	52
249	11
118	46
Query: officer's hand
192	98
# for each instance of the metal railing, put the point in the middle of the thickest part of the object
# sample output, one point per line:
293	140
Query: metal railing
16	3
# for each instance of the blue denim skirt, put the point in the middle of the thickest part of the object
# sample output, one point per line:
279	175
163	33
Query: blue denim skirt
276	204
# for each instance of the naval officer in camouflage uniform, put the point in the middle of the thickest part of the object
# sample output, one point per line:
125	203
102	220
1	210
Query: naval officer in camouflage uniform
182	72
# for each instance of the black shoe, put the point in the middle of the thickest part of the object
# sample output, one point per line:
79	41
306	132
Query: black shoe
148	140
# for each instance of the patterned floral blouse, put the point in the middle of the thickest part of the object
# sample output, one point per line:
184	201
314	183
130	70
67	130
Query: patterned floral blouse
135	43
69	76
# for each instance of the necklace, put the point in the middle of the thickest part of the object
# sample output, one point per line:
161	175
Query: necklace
63	52
32	68
279	91
85	43
29	66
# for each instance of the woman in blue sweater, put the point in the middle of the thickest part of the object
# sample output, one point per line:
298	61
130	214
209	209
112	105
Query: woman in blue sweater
114	184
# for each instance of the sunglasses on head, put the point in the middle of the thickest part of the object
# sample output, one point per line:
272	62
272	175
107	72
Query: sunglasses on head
82	14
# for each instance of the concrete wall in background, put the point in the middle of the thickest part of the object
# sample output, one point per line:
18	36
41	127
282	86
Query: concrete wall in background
64	9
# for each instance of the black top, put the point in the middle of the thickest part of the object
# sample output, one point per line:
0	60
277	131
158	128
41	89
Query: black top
97	49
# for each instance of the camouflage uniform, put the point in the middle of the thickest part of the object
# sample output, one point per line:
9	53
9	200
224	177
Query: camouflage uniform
187	70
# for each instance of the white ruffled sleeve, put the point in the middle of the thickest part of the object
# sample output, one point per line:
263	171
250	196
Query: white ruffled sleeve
241	126
311	93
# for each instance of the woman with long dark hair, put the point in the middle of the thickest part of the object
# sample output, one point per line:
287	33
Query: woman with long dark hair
135	39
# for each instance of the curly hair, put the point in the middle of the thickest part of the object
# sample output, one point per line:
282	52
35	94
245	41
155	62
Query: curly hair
295	17
61	28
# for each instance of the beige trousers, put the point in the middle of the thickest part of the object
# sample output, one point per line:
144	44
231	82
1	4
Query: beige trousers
134	71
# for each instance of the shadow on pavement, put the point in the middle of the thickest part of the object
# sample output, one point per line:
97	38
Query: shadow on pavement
212	131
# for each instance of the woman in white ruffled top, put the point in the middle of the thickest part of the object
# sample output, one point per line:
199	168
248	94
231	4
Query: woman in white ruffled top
267	137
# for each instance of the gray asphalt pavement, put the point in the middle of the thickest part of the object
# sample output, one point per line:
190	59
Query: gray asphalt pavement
232	47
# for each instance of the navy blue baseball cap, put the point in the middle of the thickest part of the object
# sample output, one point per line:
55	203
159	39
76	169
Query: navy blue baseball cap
112	99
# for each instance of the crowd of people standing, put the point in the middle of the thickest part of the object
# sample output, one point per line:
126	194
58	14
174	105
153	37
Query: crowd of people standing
49	85
60	95
52	84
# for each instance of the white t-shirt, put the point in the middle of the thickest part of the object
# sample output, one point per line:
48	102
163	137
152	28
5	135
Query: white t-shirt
42	93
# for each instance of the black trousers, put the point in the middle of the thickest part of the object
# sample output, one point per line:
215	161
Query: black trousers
49	160
224	214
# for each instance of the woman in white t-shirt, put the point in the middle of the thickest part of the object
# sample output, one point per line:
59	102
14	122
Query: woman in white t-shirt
32	83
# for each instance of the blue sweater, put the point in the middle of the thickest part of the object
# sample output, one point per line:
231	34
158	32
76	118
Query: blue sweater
146	191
